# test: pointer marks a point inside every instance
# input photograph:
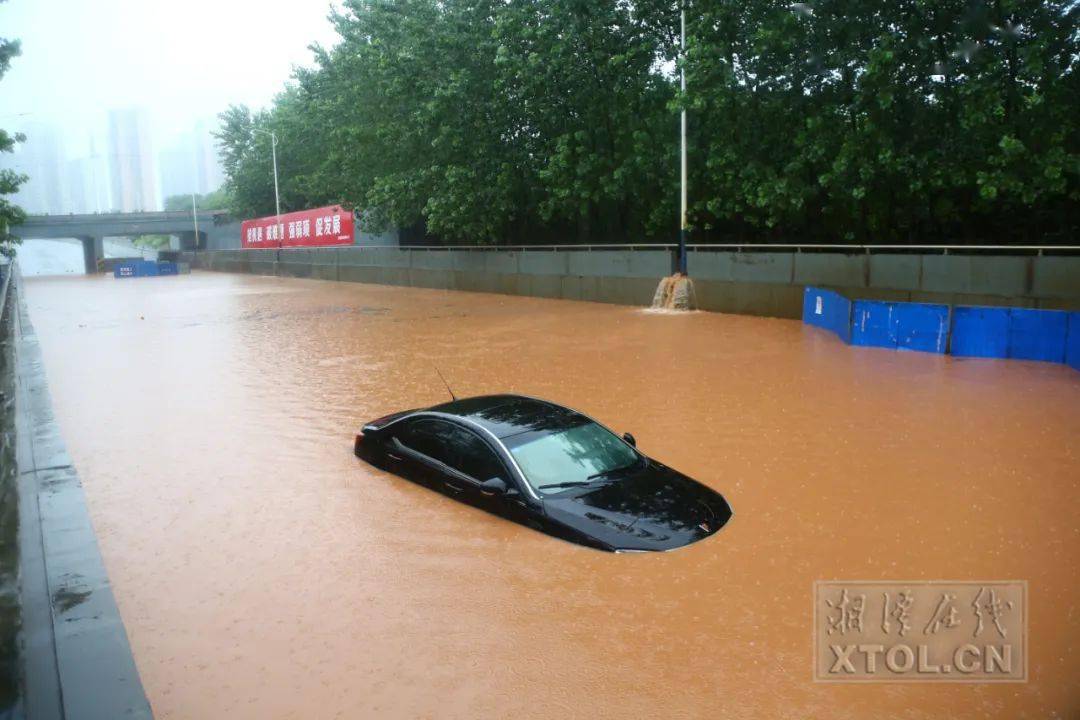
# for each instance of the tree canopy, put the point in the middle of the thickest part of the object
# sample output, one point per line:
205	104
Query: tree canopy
518	121
215	200
10	214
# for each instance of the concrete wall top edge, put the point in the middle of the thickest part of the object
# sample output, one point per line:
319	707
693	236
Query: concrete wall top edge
1045	278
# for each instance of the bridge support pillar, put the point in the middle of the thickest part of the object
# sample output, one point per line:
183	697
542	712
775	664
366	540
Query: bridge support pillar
187	240
93	253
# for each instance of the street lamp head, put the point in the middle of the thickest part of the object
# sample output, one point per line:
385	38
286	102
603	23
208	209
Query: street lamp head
273	137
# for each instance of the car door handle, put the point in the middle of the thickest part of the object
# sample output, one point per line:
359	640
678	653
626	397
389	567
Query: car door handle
395	443
455	488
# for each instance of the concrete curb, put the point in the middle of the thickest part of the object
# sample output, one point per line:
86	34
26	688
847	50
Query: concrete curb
78	663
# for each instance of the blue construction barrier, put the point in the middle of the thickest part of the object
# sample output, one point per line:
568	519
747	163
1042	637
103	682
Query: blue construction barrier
145	268
873	324
991	332
1018	333
922	327
900	326
1072	341
829	310
980	332
1037	334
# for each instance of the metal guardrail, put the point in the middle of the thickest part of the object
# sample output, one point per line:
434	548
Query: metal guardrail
518	248
870	248
9	270
736	247
797	247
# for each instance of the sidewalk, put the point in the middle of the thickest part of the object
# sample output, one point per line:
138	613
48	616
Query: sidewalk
78	664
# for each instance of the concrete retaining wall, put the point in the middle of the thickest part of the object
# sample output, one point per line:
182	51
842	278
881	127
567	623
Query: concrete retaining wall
752	283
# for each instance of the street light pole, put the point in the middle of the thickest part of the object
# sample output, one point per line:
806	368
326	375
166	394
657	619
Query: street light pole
273	154
682	146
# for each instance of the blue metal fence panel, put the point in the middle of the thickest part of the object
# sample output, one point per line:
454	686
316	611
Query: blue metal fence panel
1037	334
146	268
873	324
994	332
1072	341
829	310
921	326
813	306
980	332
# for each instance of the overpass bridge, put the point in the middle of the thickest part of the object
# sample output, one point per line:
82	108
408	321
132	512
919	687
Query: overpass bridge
215	230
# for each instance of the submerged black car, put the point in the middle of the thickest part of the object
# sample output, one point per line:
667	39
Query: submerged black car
547	467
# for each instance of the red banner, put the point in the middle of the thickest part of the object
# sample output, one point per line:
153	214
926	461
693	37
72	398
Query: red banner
307	228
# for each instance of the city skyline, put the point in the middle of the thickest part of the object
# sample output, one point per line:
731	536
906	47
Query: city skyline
71	74
132	163
115	165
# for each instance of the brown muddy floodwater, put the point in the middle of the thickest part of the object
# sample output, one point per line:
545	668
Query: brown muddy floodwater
262	571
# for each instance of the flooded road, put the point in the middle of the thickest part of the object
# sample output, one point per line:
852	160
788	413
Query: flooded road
262	571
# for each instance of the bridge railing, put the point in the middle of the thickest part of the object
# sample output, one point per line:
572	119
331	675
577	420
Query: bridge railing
82	218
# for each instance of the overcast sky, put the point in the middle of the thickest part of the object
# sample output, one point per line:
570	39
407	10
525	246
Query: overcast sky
182	61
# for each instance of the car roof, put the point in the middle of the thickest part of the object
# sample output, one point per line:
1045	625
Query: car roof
506	415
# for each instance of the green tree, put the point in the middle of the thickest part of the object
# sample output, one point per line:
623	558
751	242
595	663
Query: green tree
215	200
552	120
153	242
884	120
10	214
579	77
416	130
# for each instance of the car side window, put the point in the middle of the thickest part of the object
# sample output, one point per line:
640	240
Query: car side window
476	459
429	437
453	445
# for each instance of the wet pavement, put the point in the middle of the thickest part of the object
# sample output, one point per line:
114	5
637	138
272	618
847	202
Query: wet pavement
263	571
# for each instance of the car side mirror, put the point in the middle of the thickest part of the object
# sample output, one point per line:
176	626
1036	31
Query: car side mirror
495	486
629	439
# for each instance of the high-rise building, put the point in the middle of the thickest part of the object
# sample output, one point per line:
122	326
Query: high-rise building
211	173
191	164
132	161
41	158
96	173
88	184
78	187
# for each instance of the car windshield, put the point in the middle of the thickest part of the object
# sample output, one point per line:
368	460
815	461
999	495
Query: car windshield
554	461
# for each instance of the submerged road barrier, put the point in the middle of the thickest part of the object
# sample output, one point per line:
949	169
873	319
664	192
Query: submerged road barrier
149	268
828	309
964	331
900	325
